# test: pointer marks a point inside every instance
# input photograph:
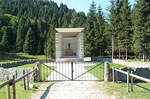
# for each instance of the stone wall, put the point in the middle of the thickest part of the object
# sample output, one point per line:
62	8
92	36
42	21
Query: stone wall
14	64
98	58
10	72
132	64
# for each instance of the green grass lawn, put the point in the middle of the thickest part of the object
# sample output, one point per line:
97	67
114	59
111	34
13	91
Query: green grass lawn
97	72
13	57
20	92
140	90
45	71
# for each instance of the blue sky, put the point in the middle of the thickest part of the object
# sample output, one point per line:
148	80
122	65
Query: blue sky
83	5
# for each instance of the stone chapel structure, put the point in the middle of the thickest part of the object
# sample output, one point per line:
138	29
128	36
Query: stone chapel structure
69	44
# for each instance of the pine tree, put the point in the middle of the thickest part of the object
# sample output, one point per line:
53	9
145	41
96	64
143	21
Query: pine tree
50	42
74	20
112	24
6	43
99	26
141	34
124	36
89	31
20	35
30	42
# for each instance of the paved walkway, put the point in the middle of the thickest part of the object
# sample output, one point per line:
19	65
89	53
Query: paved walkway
64	71
73	90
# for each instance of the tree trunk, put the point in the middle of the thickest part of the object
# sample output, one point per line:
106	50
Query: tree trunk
119	53
143	56
112	46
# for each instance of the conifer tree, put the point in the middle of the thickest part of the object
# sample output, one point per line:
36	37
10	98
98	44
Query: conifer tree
6	43
30	42
141	28
112	24
89	31
50	42
124	36
20	35
99	26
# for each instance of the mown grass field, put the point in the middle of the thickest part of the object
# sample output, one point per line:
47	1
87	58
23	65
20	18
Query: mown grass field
13	57
141	90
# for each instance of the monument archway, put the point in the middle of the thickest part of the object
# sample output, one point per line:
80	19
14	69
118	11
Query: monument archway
69	44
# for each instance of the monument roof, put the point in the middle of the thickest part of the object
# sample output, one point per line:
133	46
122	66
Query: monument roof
69	30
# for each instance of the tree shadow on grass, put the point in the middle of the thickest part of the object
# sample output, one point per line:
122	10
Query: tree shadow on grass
12	56
148	89
46	91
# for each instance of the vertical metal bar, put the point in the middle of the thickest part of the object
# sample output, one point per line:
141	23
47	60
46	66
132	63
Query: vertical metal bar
53	64
56	69
103	70
59	70
131	82
100	68
68	71
72	70
63	63
44	72
128	81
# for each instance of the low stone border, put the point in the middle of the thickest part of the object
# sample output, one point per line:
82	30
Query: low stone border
14	64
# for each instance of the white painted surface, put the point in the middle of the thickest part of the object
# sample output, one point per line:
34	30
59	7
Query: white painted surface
132	64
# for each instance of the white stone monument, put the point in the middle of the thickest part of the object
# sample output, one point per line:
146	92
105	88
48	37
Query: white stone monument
69	44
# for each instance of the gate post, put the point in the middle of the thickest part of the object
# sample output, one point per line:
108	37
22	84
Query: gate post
106	71
38	76
71	70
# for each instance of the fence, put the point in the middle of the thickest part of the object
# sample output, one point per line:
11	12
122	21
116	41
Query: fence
25	77
115	77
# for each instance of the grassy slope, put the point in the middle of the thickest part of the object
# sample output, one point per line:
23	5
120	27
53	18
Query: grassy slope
12	57
140	90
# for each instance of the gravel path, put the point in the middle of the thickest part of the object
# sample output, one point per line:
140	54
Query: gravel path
73	90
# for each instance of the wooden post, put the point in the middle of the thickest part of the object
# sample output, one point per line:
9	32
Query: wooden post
38	71
24	80
33	78
14	88
131	82
116	72
27	80
113	73
8	90
128	81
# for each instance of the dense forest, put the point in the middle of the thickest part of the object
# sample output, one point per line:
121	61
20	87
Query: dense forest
26	26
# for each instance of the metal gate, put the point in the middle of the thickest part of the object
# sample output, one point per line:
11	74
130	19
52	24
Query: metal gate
76	71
